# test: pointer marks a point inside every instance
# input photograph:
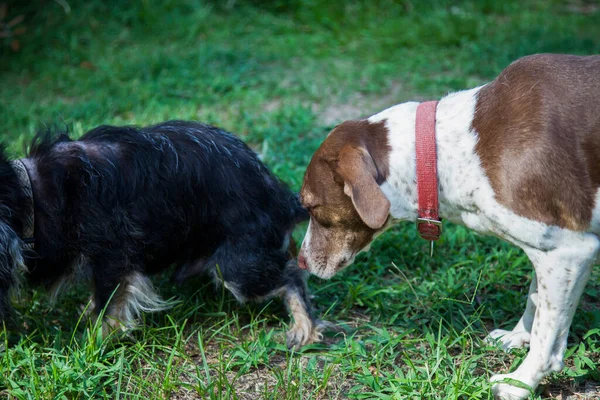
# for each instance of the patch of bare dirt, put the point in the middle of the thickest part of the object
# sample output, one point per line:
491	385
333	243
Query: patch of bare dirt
359	105
253	384
589	391
585	7
272	105
258	381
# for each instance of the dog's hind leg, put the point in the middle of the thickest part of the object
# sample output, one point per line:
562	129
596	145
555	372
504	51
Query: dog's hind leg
123	300
521	333
562	273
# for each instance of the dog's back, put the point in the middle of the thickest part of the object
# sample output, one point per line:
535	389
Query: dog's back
172	188
538	122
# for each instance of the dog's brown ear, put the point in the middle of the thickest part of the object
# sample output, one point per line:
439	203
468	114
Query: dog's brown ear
358	170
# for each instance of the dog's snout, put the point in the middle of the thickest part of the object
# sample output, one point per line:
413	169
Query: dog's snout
302	261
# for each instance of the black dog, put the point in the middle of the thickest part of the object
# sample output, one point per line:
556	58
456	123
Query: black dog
122	203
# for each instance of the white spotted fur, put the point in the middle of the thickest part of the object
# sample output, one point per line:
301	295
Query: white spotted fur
562	258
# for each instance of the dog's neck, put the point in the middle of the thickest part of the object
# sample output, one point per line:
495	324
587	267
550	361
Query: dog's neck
25	182
455	156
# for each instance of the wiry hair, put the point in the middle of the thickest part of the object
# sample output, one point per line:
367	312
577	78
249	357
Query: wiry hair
12	265
12	248
123	202
137	296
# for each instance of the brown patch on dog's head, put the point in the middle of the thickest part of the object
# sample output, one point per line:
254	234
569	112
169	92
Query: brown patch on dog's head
341	191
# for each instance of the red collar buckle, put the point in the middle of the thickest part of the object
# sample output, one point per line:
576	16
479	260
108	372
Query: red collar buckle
429	229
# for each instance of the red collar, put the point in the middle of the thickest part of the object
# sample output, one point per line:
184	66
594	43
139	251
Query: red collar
429	223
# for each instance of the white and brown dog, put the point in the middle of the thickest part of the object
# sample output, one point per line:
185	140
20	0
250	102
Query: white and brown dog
518	158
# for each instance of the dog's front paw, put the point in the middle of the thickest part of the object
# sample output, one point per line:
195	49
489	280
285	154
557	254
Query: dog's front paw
302	334
504	388
508	339
306	332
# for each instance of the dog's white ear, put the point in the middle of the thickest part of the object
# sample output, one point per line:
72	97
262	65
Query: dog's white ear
358	170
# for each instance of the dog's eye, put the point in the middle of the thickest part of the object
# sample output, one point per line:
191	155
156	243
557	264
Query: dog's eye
325	224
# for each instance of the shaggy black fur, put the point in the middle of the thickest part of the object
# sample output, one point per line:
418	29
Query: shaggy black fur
123	200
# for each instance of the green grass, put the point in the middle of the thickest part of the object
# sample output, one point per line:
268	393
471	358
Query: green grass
280	74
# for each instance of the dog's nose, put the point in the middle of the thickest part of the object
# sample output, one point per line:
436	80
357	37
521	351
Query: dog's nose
302	261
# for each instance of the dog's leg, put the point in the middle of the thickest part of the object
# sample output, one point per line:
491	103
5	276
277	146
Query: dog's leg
306	329
250	273
521	333
562	274
126	300
12	268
